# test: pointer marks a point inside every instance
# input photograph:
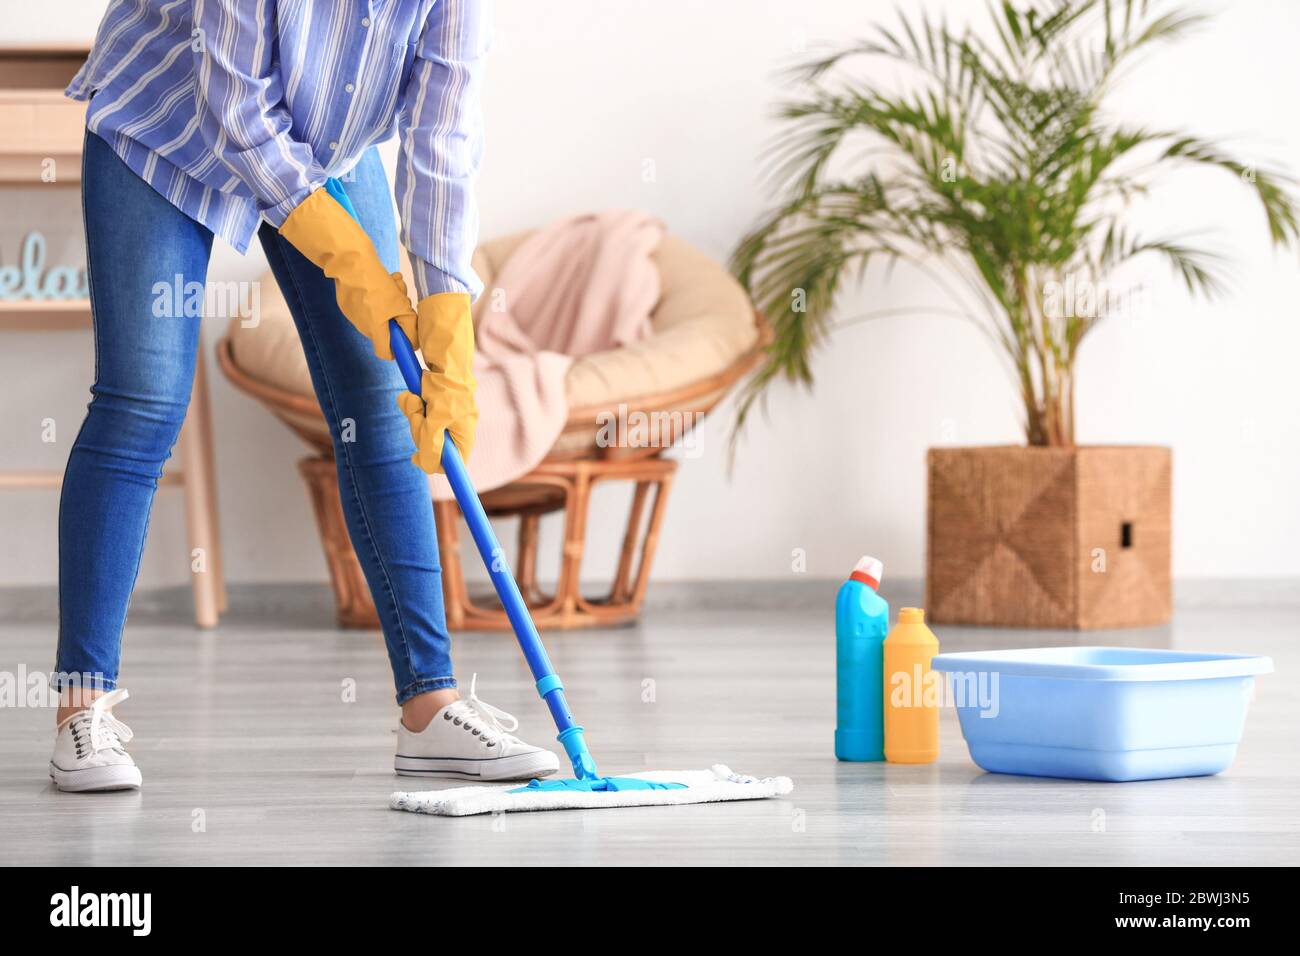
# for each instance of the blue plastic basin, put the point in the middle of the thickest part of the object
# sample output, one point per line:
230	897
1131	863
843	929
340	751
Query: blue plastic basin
1102	713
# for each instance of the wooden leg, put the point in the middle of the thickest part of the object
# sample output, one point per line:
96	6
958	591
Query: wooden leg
651	539
455	595
205	409
623	578
200	501
529	525
568	588
352	602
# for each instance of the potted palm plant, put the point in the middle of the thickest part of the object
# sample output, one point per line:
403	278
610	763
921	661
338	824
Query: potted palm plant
1001	168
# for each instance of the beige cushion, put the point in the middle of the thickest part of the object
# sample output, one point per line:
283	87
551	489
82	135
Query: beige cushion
702	325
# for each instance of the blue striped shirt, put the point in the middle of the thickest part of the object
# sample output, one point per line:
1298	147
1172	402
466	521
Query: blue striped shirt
235	110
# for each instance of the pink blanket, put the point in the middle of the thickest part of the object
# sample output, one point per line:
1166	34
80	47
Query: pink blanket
582	285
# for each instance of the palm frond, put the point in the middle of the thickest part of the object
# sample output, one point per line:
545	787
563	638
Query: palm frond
1201	271
998	165
1273	189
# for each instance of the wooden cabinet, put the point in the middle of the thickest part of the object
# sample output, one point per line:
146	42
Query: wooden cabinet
40	129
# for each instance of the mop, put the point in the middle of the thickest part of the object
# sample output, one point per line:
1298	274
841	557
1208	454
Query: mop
587	789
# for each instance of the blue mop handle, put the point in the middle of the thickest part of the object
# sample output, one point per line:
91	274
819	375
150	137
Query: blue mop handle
494	559
530	642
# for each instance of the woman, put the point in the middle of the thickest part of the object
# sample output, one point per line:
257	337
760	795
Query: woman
225	118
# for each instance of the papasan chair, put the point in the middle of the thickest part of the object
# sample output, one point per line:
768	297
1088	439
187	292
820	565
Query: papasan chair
706	336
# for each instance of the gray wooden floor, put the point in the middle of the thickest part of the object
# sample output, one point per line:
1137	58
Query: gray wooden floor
250	754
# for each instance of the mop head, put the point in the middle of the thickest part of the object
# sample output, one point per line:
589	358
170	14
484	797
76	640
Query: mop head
650	789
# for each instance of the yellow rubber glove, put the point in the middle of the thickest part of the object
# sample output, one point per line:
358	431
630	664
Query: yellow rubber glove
332	240
446	402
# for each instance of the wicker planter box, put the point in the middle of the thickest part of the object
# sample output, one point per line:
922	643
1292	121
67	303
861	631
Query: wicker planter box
1049	537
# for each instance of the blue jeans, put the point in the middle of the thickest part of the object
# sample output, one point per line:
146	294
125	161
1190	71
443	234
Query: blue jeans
144	367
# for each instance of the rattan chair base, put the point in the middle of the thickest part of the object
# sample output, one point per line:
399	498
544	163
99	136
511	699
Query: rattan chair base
552	486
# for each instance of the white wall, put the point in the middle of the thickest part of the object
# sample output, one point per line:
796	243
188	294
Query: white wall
582	93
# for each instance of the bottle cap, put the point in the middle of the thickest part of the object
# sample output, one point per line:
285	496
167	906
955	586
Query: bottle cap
869	571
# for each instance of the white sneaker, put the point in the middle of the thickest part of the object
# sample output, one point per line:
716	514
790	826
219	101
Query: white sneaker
88	751
470	739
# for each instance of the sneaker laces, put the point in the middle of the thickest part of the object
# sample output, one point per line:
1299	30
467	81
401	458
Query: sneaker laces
100	728
493	723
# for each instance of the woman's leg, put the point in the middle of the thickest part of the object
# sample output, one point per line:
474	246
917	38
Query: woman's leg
141	254
386	500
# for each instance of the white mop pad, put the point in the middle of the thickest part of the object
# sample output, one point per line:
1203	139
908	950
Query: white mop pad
702	786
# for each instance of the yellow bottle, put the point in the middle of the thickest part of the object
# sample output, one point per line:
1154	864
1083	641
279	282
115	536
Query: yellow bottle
913	693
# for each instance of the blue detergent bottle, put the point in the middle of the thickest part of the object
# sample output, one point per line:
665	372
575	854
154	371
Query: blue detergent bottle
861	623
